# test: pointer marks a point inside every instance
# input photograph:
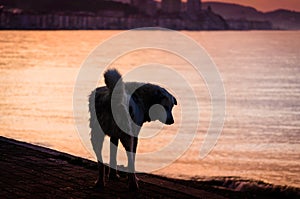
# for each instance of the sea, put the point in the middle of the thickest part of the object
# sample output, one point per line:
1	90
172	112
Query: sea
259	71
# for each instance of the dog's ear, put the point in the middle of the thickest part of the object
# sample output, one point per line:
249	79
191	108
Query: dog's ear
174	100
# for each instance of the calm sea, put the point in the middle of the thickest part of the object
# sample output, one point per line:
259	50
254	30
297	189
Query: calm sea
261	74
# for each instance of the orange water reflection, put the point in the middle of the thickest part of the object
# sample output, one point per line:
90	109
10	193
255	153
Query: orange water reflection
260	139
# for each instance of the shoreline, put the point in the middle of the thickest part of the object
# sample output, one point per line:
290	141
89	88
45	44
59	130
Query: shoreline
64	168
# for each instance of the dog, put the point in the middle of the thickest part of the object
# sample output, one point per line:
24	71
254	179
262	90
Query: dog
133	102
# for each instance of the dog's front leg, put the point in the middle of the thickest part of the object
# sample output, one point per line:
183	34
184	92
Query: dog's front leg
134	153
113	175
100	183
128	143
132	179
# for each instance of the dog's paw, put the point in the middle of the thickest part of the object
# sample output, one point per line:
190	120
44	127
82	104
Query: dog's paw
133	186
114	177
133	183
99	184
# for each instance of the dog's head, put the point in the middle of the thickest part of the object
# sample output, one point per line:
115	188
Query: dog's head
162	108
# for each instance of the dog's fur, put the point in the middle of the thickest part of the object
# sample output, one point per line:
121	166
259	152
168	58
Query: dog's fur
103	123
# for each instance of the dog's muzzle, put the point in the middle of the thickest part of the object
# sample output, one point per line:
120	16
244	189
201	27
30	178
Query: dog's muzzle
169	120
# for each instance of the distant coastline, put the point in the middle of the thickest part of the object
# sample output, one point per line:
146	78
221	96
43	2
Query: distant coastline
111	15
280	19
91	21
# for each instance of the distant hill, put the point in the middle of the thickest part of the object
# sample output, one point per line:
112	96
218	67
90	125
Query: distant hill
284	19
280	19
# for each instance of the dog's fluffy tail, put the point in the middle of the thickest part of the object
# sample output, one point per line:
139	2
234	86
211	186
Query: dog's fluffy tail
116	86
111	78
119	99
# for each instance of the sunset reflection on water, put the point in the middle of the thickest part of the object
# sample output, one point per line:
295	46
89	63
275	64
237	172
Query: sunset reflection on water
260	139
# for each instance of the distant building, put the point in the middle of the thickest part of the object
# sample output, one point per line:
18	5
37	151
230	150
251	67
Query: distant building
136	3
147	7
193	8
112	14
122	1
171	6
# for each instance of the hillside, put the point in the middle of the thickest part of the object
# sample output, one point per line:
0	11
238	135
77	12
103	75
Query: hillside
284	19
280	19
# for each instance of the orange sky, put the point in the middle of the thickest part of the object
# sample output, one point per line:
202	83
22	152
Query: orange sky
266	5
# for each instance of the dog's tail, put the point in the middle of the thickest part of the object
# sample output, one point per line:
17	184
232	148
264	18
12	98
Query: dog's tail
111	78
119	98
115	85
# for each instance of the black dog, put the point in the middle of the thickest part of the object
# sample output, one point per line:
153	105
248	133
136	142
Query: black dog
132	111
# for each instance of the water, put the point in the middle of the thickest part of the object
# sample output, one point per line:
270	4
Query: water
260	70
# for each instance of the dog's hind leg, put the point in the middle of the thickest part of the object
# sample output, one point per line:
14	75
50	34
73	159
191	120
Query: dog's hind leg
97	138
134	152
113	175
